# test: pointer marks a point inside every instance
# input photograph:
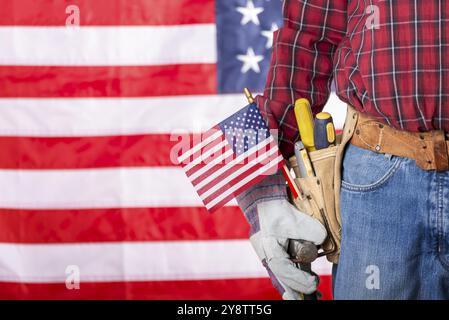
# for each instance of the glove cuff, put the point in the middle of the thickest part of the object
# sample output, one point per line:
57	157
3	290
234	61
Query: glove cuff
273	187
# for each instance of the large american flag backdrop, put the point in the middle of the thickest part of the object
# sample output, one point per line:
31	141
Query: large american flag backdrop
92	204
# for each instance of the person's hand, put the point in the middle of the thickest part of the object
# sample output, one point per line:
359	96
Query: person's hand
273	224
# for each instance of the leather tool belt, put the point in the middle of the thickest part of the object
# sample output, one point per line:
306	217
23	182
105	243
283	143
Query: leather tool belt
428	149
320	195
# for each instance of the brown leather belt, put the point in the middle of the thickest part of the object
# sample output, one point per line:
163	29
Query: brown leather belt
428	149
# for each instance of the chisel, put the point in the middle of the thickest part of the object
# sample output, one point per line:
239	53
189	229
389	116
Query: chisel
303	161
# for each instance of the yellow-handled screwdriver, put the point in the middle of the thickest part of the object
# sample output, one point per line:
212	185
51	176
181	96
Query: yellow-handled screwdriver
304	252
304	118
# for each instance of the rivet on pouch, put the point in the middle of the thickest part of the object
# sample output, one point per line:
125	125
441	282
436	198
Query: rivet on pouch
377	148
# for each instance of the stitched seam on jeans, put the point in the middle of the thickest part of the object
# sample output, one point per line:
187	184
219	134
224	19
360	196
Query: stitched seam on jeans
440	225
375	185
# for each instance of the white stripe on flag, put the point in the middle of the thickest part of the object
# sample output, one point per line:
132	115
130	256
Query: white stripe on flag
211	164
130	261
145	261
199	146
206	155
97	188
108	46
86	117
244	181
235	174
237	160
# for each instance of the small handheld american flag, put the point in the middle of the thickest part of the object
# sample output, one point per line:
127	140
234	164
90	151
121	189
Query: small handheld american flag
232	156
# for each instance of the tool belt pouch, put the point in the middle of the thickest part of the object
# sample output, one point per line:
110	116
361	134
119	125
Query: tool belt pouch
321	194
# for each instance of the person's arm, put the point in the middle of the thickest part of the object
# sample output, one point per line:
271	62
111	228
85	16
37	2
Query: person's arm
301	67
301	63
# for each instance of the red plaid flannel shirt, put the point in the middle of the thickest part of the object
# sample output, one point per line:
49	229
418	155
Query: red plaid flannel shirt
389	58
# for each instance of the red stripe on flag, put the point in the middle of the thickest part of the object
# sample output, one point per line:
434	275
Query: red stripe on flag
239	190
206	154
88	152
211	170
108	12
208	133
229	289
124	224
108	81
231	170
252	154
94	152
209	160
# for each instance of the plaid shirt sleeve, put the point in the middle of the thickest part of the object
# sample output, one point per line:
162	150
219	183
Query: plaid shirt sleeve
301	67
301	63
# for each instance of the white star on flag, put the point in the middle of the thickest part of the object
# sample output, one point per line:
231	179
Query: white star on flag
269	35
250	13
250	61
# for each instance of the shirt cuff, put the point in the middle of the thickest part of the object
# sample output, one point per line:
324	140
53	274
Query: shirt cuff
271	188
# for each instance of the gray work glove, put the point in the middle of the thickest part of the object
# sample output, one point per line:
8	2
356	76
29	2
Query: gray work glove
279	222
274	221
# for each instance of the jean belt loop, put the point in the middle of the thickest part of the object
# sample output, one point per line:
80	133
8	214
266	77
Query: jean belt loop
440	150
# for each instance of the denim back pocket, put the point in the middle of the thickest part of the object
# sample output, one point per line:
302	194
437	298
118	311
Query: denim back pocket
365	170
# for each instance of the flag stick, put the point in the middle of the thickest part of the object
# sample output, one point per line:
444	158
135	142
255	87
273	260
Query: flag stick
248	95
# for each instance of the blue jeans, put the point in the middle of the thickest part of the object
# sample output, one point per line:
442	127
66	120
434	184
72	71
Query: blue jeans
395	229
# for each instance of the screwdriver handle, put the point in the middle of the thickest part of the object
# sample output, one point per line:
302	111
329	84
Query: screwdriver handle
324	131
304	119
